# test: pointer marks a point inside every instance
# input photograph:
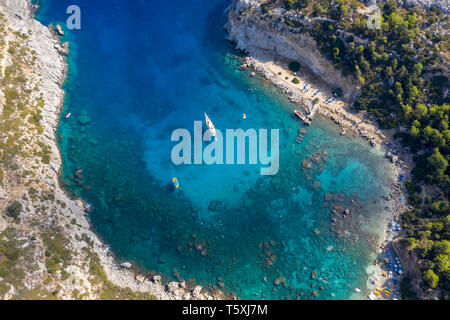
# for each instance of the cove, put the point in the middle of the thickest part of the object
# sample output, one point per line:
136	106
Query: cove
138	71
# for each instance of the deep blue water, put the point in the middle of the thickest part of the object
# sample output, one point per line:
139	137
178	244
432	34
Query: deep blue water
140	69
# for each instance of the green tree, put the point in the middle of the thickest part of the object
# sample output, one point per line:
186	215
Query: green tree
442	263
417	69
388	71
431	278
413	92
433	137
437	162
343	11
390	7
414	132
439	206
420	111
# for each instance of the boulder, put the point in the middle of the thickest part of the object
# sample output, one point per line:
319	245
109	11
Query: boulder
196	291
59	30
126	265
172	286
156	279
306	164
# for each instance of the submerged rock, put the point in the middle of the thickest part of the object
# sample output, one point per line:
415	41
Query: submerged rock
316	185
306	164
215	206
84	119
59	30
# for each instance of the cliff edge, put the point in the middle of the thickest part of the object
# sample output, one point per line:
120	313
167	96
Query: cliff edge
265	36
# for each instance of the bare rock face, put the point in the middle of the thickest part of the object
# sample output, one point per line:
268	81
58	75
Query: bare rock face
245	4
261	36
3	224
21	9
48	72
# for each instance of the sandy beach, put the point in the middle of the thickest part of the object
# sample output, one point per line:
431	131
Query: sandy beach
308	89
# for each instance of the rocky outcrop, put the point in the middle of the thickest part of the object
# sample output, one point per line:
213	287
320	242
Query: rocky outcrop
265	36
444	5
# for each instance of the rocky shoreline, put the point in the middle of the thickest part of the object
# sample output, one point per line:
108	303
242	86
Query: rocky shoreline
264	57
48	76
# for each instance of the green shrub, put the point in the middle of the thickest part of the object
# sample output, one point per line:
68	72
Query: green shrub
265	7
14	209
296	81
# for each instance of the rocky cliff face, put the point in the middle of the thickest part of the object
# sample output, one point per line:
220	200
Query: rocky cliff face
265	36
47	249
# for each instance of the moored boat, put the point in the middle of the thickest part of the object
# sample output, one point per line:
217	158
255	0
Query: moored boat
210	126
302	116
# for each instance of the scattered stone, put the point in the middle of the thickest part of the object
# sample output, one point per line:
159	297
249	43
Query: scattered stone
279	280
156	279
306	164
126	265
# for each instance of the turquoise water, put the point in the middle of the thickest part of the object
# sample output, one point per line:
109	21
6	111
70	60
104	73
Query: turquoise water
139	70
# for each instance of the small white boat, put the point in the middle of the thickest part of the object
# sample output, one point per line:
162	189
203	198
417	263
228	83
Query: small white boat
210	126
68	115
302	116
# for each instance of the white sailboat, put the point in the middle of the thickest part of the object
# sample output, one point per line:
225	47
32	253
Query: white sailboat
210	126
